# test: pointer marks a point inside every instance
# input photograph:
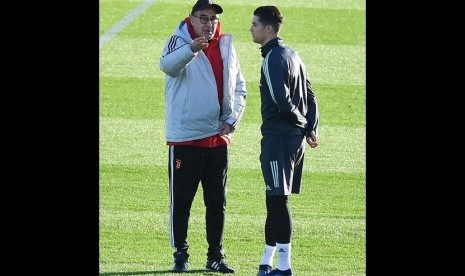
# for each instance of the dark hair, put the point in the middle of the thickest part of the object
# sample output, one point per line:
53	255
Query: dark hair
269	15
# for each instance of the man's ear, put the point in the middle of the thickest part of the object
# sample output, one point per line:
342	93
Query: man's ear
269	29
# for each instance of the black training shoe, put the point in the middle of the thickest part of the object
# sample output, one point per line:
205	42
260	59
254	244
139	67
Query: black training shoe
277	272
180	261
264	270
218	266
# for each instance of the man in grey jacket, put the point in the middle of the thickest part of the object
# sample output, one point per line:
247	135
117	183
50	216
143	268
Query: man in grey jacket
205	100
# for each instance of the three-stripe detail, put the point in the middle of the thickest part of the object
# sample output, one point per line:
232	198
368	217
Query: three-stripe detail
275	173
215	265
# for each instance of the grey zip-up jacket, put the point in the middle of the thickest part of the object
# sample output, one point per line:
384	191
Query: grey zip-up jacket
191	96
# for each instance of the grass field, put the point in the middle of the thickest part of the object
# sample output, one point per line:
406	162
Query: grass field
329	215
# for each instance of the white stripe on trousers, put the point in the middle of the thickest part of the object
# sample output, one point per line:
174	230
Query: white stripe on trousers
172	196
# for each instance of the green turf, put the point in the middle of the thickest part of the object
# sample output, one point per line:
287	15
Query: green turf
330	213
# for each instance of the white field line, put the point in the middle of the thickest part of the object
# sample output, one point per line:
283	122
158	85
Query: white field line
118	27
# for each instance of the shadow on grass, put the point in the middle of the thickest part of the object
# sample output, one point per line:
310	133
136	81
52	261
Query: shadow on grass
155	272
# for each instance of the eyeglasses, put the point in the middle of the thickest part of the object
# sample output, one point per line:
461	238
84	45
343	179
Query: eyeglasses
204	19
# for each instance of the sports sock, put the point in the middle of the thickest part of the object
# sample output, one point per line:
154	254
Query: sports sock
284	256
268	255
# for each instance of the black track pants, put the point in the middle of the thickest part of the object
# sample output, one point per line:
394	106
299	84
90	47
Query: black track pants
188	166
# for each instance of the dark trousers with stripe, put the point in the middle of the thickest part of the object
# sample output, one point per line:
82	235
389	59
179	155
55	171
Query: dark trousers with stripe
188	166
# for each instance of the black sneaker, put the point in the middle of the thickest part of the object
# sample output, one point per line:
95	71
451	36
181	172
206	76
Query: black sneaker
180	261
264	270
277	272
218	266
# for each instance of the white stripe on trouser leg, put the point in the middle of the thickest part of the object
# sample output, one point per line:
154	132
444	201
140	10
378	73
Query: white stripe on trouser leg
172	196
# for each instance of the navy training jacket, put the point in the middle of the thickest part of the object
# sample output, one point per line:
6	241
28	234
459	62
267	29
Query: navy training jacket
289	106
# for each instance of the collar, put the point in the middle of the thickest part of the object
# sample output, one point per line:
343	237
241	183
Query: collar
277	41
